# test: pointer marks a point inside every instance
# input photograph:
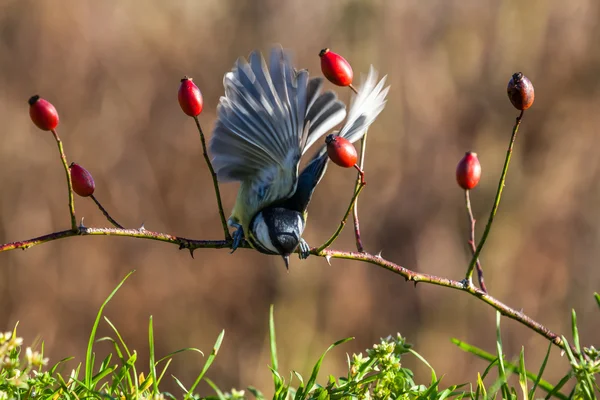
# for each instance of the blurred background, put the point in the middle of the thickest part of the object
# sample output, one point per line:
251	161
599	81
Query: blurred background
112	70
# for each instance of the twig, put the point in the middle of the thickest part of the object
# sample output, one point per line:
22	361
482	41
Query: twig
472	240
106	214
183	243
215	182
415	277
359	181
343	221
469	275
63	158
377	260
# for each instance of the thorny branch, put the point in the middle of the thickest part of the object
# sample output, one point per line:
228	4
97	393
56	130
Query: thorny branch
323	251
409	275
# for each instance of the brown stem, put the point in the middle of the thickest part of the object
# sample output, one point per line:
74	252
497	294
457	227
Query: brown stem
472	240
63	159
106	214
215	182
343	221
488	226
377	260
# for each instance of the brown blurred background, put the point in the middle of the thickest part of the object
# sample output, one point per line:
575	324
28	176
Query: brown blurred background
112	70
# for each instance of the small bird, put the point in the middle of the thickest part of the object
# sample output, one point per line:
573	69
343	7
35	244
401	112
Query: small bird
268	118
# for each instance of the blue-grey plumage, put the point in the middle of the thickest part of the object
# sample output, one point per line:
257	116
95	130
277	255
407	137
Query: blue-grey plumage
270	115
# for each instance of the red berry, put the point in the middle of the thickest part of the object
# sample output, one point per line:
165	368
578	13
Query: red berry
520	91
341	151
83	183
190	98
42	113
336	68
468	171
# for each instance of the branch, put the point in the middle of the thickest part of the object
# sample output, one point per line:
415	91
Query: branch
472	239
416	277
106	214
409	275
488	227
359	181
63	159
352	204
215	182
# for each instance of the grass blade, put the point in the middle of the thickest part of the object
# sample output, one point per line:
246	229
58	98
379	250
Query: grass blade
316	368
523	373
152	363
543	384
542	368
89	364
208	363
273	345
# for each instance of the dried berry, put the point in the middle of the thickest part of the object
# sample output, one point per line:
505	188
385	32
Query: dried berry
341	151
336	68
520	91
468	171
42	113
190	98
83	183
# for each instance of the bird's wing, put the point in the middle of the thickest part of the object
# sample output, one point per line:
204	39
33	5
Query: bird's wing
260	126
269	115
323	112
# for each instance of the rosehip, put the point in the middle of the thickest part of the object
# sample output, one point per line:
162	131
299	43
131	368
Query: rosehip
341	151
468	171
42	113
82	181
190	98
520	91
336	68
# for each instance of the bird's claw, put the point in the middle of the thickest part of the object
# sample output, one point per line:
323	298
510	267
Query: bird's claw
304	249
237	236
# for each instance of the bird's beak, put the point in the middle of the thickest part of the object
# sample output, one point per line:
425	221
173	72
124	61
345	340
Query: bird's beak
286	259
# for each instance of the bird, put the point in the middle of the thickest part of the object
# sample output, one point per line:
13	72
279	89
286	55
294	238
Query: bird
269	116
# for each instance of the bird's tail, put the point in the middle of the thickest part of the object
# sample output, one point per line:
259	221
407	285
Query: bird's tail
364	109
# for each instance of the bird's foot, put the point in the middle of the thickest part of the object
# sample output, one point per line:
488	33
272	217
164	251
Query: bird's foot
237	236
304	249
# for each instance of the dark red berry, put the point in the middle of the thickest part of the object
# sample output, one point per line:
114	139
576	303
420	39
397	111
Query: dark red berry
520	91
42	113
341	151
190	98
336	68
468	171
83	183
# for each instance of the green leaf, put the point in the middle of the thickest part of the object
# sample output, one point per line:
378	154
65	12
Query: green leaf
575	335
164	370
89	364
501	370
544	385
424	361
539	375
216	389
561	383
523	373
256	393
597	297
277	381
168	356
208	363
313	377
152	363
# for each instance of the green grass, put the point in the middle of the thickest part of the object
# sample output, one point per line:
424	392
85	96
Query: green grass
378	374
